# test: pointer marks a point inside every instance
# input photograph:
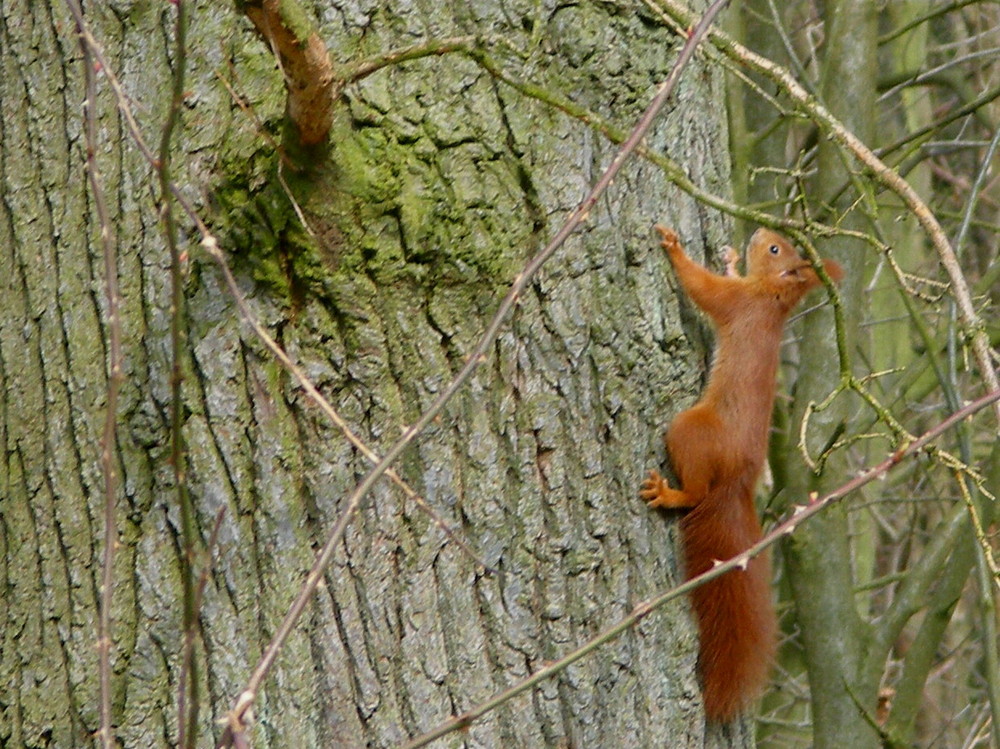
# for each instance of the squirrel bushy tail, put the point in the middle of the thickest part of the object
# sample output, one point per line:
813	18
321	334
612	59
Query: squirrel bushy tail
736	621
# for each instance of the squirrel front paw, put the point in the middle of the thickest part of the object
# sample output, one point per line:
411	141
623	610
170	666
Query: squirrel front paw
732	259
670	242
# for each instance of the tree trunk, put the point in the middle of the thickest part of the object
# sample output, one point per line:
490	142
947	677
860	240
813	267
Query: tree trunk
440	180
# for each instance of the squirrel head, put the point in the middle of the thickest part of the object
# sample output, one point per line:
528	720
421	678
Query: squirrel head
770	254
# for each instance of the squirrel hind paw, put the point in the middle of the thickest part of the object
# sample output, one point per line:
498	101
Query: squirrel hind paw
658	494
652	485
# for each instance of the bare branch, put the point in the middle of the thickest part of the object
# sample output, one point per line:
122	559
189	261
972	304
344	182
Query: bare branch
188	694
191	633
364	68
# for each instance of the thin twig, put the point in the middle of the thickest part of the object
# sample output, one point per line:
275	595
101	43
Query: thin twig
190	633
980	532
188	682
986	566
928	16
363	68
327	408
106	735
248	110
991	656
478	355
800	514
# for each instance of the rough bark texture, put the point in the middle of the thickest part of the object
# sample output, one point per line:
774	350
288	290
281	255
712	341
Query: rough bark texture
438	183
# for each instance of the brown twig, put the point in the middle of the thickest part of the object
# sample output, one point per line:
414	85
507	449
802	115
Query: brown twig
800	514
191	632
363	68
248	110
188	695
327	408
106	735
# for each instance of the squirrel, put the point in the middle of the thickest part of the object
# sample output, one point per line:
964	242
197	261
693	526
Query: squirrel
717	449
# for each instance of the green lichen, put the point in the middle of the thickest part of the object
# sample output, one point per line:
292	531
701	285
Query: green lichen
296	19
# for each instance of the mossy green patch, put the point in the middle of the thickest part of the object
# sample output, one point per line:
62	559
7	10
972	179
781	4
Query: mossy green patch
395	210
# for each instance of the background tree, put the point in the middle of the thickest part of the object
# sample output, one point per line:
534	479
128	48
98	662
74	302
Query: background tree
893	597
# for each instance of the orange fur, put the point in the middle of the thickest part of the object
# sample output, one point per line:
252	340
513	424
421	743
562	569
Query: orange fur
718	448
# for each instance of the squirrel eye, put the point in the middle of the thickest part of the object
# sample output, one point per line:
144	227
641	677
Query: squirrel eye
773	249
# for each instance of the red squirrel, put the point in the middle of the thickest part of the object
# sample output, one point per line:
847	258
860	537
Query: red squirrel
717	449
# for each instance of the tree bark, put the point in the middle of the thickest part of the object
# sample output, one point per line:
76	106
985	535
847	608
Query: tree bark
438	182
